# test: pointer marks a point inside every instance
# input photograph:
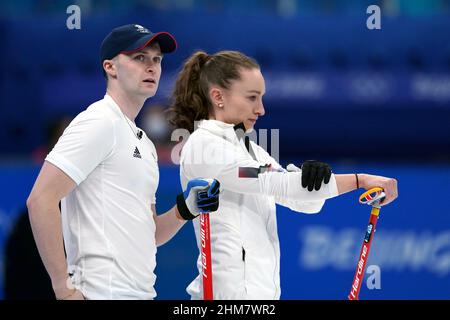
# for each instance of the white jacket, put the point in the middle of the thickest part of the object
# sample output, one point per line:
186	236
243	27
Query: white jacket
244	241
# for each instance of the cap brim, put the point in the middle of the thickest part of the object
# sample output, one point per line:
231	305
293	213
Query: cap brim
166	41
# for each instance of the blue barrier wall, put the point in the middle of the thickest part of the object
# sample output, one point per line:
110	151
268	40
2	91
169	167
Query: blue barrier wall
319	252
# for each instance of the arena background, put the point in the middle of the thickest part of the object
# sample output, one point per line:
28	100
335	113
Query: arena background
374	101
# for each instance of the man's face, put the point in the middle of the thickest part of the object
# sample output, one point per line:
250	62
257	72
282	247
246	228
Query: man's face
138	73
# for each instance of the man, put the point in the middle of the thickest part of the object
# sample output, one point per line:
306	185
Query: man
104	171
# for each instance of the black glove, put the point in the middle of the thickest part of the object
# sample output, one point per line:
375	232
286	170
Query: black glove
313	173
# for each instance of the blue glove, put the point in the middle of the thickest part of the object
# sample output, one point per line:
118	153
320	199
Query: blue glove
200	196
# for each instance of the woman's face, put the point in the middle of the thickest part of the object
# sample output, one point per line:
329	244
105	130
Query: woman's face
242	102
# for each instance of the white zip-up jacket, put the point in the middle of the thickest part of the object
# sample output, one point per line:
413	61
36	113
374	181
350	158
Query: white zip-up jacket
244	240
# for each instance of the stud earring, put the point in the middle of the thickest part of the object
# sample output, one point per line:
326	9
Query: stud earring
220	105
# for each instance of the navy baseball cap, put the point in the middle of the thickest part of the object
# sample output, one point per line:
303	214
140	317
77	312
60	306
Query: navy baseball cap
134	37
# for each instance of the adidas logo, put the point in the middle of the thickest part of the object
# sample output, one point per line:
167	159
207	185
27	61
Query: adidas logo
136	153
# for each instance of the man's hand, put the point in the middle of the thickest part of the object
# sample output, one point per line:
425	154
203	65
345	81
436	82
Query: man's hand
208	200
200	196
76	295
313	174
64	290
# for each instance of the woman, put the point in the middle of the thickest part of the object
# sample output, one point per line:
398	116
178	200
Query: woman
221	93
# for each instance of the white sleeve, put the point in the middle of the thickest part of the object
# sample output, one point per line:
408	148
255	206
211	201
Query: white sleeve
209	158
155	154
309	207
85	143
294	205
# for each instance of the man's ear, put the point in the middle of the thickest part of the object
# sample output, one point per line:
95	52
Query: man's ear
110	68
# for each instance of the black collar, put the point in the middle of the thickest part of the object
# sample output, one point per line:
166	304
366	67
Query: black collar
239	129
239	126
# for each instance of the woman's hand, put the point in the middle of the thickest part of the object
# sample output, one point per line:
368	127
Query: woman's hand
368	181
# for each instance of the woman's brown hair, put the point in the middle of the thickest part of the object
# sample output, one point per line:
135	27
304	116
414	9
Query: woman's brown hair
190	98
